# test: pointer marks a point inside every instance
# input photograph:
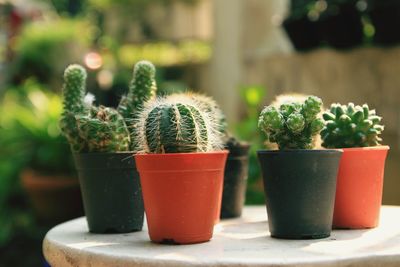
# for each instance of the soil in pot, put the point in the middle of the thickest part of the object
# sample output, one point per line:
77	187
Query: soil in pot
302	32
235	181
55	198
111	192
181	193
299	191
359	187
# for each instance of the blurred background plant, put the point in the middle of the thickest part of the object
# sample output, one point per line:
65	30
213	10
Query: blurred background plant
253	98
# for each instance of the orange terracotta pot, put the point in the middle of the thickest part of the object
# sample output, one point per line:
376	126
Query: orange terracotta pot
54	198
182	194
359	187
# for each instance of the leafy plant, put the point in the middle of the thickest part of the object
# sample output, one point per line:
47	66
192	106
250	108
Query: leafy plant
29	128
177	124
43	48
100	129
292	125
351	126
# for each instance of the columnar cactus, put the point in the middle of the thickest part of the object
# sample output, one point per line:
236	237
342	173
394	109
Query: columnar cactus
351	126
88	128
73	103
292	125
176	125
142	88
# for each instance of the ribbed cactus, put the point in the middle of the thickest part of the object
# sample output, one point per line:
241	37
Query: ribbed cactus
351	126
73	103
88	128
176	125
141	89
210	106
293	125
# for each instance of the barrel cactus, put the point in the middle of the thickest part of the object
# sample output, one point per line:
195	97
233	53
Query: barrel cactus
292	125
176	125
351	126
89	128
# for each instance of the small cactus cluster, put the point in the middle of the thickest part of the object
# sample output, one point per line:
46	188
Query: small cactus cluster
292	125
178	123
101	129
351	126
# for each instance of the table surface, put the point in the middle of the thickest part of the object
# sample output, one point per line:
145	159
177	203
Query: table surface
237	242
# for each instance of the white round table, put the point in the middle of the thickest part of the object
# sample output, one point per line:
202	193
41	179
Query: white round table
236	242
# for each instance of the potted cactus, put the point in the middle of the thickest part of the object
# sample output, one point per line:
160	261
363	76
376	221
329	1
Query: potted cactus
299	181
356	130
181	168
236	169
102	140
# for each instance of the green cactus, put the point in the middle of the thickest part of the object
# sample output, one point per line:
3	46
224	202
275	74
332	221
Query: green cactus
89	128
294	125
73	103
142	88
209	106
104	130
176	125
351	126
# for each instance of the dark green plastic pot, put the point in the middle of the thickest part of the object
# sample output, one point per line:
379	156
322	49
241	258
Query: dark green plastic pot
300	188
235	181
111	192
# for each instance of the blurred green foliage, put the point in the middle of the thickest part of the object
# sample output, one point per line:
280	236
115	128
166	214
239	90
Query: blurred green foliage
30	138
246	129
44	48
29	128
166	53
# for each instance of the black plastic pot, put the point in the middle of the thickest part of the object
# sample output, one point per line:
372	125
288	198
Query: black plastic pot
302	32
385	18
235	181
111	192
300	188
341	28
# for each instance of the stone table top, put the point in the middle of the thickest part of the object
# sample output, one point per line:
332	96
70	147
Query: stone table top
237	242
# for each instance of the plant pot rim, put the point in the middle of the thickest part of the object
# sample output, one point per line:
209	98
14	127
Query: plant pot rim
225	151
367	148
300	151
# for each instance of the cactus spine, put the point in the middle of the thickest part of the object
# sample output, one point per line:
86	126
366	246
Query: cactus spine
351	126
176	125
89	128
292	125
